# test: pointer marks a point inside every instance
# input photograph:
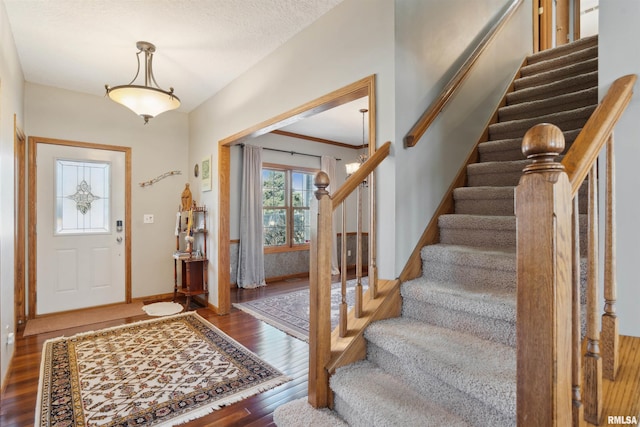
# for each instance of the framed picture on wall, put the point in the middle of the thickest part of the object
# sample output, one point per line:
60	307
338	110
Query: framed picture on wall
205	173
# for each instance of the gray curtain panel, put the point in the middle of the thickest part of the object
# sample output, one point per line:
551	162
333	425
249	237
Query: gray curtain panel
251	252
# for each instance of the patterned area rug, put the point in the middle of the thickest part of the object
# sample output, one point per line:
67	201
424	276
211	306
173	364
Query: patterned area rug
159	372
290	312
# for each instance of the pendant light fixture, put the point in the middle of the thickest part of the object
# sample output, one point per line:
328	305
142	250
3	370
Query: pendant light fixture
362	157
149	100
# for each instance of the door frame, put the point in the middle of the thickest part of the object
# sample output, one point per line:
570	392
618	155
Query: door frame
33	147
19	242
360	89
543	25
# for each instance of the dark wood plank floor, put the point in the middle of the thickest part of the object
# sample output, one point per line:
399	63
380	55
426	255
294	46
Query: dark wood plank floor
290	355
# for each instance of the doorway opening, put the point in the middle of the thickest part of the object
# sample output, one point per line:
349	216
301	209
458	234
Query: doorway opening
360	89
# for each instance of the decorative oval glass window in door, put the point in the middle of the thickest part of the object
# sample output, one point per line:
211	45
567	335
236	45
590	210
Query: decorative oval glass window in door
82	197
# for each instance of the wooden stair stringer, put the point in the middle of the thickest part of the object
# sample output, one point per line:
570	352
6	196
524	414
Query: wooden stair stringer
352	347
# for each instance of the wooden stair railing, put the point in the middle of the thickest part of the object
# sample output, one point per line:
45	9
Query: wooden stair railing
557	384
427	118
328	351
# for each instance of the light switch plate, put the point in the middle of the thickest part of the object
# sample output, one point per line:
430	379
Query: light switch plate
148	218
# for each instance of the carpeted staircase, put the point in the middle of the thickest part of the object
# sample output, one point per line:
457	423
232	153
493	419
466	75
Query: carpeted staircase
450	358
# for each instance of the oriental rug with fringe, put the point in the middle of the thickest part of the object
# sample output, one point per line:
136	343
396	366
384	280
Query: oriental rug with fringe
158	372
290	312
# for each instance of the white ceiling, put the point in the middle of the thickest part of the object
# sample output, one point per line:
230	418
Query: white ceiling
201	46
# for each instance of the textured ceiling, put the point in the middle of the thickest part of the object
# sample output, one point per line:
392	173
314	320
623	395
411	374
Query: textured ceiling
202	45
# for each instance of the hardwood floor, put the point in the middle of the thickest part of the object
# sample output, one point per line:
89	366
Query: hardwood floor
288	354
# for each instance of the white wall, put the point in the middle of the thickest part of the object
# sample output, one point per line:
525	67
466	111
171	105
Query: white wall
619	33
352	41
11	102
158	147
433	38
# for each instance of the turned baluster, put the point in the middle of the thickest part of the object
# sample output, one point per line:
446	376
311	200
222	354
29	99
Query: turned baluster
372	271
610	336
358	289
320	293
576	338
343	274
543	214
592	361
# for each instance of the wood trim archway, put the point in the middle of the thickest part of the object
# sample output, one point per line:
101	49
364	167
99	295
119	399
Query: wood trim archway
33	142
356	90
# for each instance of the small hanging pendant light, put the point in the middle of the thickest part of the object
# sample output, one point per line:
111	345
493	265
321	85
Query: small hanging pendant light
149	100
351	168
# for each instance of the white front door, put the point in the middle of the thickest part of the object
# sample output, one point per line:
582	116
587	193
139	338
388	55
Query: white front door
80	246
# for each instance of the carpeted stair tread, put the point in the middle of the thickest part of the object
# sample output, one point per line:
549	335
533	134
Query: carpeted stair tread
556	104
488	231
496	174
558	62
466	255
562	50
485	312
299	413
511	149
488	200
565	71
570	84
469	265
484	200
384	400
482	369
483	301
570	119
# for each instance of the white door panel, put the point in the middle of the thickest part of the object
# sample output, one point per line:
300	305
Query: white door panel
84	267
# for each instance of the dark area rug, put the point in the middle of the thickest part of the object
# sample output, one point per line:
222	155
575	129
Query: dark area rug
290	312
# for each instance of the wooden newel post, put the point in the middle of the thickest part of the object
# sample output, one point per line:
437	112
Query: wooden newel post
544	256
320	293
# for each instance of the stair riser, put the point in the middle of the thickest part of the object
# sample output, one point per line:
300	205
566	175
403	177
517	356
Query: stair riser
485	206
487	238
467	407
494	238
499	179
542	110
543	92
495	330
572	58
544	55
502	207
550	76
350	415
510	130
510	151
486	277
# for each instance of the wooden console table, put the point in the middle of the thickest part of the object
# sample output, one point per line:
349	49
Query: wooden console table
193	275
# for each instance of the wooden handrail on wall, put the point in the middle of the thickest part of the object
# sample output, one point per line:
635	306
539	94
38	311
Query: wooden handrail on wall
427	118
558	383
327	352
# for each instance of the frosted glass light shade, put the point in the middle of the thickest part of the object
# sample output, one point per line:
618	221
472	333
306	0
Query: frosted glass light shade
352	167
145	101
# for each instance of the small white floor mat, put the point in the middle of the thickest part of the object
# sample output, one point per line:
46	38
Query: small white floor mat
162	308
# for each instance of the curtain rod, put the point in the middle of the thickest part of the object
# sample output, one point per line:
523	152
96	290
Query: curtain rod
292	152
